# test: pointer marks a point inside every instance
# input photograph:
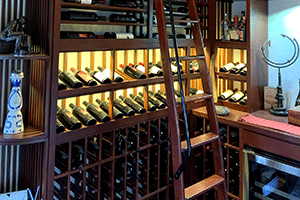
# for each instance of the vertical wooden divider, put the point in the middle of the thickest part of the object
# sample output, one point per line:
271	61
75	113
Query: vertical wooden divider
65	68
99	166
242	61
113	65
229	55
69	169
84	171
79	67
92	66
126	62
114	59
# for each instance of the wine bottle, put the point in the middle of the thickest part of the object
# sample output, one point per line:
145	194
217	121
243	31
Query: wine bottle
159	95
133	104
140	100
133	72
154	100
122	18
106	72
237	68
225	28
125	3
120	142
242	26
174	67
96	112
194	91
86	1
244	72
67	118
297	103
61	85
155	70
85	118
77	35
59	127
69	79
233	32
227	67
132	140
223	133
141	68
194	66
104	105
237	96
244	100
125	109
227	94
98	76
79	15
84	77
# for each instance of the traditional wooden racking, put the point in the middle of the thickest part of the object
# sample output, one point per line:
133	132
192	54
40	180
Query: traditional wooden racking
41	95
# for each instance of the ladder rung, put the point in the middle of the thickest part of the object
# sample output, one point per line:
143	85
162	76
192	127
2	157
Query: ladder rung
199	140
188	58
196	98
203	186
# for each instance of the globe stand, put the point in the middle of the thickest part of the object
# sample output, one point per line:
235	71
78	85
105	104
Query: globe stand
280	110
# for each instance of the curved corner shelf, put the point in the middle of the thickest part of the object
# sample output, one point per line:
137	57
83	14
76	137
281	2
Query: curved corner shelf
230	76
25	57
102	23
29	136
231	45
101	7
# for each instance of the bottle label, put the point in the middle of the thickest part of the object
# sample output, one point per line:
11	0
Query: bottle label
106	72
141	68
56	170
133	69
86	2
69	114
99	76
117	75
133	101
154	69
229	66
57	185
123	104
240	66
97	108
83	75
84	112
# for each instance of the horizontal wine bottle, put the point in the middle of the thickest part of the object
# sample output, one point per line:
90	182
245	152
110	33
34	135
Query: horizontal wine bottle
154	100
104	105
244	72
237	96
131	71
84	77
122	18
227	94
159	95
194	91
96	112
141	68
227	67
174	67
237	69
86	1
81	114
77	35
68	119
59	126
123	107
133	104
79	15
194	66
61	85
244	100
140	100
106	72
99	76
155	70
68	78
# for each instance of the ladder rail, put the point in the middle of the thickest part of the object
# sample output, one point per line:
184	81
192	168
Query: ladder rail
182	165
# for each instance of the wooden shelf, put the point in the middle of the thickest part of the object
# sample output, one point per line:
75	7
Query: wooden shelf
79	45
30	136
230	76
25	57
232	105
86	90
231	44
101	7
101	23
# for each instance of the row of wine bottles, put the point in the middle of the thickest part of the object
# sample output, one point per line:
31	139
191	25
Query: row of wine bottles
123	106
120	3
234	96
235	68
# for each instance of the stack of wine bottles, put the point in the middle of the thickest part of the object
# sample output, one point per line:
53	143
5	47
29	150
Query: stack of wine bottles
235	68
123	106
234	96
130	173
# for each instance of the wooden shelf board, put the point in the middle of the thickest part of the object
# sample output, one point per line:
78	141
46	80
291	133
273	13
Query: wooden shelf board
102	23
25	57
230	76
231	105
117	86
231	44
29	136
100	7
79	45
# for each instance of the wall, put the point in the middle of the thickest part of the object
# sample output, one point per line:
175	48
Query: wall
284	19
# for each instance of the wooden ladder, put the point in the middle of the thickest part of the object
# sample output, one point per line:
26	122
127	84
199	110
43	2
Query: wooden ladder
216	181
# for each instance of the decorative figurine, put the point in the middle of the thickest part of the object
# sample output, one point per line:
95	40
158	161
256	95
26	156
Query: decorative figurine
14	119
15	30
280	110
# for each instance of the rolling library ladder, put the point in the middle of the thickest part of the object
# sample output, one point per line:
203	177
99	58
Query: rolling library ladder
217	180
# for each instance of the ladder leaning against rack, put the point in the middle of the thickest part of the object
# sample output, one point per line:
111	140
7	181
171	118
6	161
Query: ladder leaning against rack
217	180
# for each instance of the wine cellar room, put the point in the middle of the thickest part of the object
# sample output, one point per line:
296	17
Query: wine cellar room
93	96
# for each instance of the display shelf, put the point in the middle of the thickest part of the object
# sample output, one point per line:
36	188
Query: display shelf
29	136
102	23
101	7
117	86
230	76
25	57
232	105
78	45
231	44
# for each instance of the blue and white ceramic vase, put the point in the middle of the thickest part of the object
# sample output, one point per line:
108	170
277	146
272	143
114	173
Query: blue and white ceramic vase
14	119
